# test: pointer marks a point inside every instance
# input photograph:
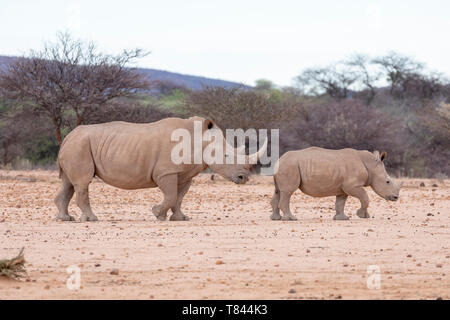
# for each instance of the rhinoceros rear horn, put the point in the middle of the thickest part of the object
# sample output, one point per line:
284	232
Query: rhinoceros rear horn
253	158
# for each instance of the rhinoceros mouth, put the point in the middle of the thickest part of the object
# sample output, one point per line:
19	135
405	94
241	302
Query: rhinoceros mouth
241	179
392	198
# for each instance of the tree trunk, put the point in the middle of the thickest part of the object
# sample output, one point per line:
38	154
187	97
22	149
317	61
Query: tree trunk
371	96
79	115
79	120
5	155
58	135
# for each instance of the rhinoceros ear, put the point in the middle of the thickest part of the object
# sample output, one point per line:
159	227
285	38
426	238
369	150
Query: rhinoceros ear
209	124
383	155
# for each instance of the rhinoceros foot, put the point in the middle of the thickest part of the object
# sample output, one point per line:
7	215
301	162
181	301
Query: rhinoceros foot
88	217
64	217
275	216
157	212
340	217
179	217
362	213
288	217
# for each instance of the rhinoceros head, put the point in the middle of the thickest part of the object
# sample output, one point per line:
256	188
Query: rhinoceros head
239	168
233	164
380	181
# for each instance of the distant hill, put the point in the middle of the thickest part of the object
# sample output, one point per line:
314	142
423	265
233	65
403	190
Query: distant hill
187	81
167	77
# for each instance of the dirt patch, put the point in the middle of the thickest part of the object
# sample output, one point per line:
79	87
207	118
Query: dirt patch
128	254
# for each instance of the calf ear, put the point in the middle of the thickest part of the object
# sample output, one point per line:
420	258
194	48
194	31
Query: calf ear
383	155
208	124
376	153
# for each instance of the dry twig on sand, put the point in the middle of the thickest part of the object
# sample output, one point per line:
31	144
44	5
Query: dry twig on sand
13	268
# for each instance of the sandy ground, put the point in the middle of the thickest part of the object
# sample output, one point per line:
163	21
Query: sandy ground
229	249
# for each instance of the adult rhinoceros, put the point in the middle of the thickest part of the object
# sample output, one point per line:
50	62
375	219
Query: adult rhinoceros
135	156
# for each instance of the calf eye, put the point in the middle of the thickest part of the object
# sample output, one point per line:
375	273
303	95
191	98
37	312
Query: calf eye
388	182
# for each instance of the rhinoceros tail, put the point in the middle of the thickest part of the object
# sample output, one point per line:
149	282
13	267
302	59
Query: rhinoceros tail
59	165
60	171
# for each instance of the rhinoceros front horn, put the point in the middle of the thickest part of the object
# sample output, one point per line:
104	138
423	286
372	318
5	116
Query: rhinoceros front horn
253	158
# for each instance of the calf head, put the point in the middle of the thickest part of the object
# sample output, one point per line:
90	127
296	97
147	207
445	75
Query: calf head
380	181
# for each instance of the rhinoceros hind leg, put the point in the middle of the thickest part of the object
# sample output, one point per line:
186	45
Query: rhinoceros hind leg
169	187
63	198
84	204
286	182
275	200
177	214
157	212
285	198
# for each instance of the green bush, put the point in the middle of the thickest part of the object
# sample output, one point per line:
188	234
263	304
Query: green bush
42	150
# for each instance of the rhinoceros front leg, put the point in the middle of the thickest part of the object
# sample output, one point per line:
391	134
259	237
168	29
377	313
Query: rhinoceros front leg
169	188
361	194
340	204
177	214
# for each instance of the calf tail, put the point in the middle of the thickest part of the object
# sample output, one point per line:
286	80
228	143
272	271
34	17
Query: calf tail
60	170
277	190
57	159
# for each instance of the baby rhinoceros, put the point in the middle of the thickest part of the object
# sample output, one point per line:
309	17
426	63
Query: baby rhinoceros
322	172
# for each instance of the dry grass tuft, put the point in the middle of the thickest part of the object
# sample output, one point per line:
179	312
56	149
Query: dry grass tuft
13	268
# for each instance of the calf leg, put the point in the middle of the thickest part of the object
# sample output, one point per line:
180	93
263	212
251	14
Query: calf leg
285	198
76	162
275	201
340	204
361	194
63	198
168	186
287	183
84	204
177	214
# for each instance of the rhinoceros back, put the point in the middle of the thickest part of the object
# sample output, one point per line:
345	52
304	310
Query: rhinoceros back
125	155
323	171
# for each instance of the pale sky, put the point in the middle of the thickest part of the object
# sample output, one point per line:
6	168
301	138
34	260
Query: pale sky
242	40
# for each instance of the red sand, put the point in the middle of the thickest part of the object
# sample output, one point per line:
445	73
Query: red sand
229	249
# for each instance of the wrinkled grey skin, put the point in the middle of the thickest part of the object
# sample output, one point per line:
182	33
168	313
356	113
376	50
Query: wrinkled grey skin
134	156
321	172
